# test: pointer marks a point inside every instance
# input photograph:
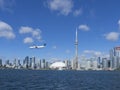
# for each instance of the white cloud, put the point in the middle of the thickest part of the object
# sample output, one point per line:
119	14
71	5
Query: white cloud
84	27
26	29
6	30
77	12
6	5
112	36
62	6
35	33
118	22
28	40
92	52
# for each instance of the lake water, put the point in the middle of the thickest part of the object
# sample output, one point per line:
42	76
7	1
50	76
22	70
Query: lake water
59	80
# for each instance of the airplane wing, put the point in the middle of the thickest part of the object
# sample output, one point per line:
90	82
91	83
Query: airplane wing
32	46
40	46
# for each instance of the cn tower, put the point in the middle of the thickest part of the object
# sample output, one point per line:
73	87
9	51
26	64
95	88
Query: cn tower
76	52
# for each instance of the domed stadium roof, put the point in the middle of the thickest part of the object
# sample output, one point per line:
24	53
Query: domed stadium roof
58	65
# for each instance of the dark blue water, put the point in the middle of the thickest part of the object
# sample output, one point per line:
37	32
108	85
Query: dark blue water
59	80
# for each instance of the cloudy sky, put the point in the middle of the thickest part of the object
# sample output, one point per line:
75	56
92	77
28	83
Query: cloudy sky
34	22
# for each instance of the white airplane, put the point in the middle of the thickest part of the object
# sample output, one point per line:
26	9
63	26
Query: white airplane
37	47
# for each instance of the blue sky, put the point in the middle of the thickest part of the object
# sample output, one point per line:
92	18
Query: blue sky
33	22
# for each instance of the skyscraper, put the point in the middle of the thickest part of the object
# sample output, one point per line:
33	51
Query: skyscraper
26	62
0	62
43	64
38	64
115	58
30	62
33	63
7	62
105	63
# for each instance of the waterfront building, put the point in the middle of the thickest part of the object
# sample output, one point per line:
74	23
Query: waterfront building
19	64
43	64
16	64
99	60
83	63
47	65
0	62
105	63
30	64
115	58
33	63
88	65
72	64
69	64
38	64
91	64
78	67
26	62
7	62
66	63
94	65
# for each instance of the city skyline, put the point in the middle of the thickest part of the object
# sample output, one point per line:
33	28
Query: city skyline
98	63
24	23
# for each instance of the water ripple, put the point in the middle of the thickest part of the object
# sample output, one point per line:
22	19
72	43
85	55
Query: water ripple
59	80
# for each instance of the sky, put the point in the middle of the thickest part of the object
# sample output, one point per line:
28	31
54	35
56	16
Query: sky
24	23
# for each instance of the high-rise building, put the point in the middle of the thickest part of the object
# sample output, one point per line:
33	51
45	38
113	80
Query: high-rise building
38	64
16	63
7	62
99	60
72	64
26	62
115	58
43	64
19	64
105	63
91	64
0	62
88	65
47	65
33	63
94	65
66	63
30	62
69	64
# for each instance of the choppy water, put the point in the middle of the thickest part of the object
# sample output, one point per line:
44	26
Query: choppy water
59	80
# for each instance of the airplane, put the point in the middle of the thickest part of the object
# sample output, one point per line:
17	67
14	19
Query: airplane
37	47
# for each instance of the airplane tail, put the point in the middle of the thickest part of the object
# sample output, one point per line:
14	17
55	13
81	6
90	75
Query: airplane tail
44	44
